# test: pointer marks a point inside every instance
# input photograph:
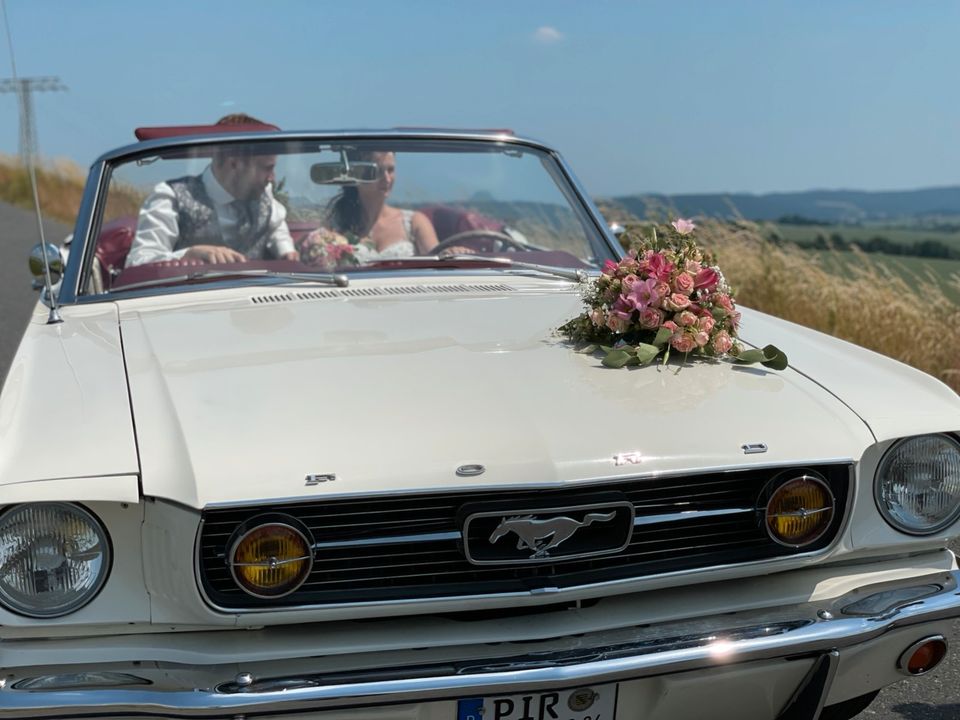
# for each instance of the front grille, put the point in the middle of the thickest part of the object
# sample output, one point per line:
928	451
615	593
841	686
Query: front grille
383	548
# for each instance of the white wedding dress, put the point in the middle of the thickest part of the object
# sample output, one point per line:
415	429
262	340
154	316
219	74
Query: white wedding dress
364	252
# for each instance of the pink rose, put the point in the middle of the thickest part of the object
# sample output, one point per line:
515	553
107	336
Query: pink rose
683	343
692	267
609	267
671	326
628	281
597	317
676	301
706	323
687	318
629	265
706	279
722	343
618	322
663	290
650	318
701	338
683	226
683	283
725	302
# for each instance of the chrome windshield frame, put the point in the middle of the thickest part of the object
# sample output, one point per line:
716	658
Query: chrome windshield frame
76	274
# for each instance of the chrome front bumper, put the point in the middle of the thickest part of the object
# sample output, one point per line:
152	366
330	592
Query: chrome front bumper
818	633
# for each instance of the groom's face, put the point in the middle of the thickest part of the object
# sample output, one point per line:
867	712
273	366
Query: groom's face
250	176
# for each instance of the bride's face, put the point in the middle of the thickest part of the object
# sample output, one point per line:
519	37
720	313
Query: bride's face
380	189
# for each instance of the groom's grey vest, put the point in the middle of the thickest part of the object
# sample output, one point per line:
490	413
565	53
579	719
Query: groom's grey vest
197	218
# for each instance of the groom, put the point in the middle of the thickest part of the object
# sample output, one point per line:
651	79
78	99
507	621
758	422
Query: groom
225	214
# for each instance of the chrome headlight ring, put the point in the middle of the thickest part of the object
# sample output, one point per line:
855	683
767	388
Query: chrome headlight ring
54	558
917	484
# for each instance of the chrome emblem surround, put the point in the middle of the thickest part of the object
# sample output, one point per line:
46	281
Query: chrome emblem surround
540	535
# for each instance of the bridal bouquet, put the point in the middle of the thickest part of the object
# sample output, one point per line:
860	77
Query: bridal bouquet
327	249
667	295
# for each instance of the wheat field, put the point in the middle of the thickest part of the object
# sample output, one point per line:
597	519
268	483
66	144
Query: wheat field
909	318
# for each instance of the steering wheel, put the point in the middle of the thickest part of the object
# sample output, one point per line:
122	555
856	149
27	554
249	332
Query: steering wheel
481	241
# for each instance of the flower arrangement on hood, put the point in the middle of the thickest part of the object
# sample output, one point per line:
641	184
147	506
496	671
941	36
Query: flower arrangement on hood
328	249
666	295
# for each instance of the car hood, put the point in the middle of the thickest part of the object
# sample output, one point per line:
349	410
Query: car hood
239	397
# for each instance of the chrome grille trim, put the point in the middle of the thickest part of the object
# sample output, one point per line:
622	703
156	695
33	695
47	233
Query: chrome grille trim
431	537
429	567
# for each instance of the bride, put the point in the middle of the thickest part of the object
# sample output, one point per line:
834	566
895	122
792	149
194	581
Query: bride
384	231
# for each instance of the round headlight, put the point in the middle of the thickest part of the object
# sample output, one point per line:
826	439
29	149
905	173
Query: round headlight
271	559
54	557
799	511
918	484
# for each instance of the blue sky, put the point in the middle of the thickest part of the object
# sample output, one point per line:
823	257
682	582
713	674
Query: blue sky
659	96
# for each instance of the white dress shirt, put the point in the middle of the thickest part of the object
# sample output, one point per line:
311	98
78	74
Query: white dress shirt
158	229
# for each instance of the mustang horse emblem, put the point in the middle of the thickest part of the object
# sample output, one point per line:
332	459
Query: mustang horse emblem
543	535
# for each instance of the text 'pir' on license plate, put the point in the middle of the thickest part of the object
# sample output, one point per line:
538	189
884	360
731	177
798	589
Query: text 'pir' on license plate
597	702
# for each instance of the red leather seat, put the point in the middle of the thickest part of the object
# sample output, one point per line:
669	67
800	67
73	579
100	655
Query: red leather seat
114	244
448	221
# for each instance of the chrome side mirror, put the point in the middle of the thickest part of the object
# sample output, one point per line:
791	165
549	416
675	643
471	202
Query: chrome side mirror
54	258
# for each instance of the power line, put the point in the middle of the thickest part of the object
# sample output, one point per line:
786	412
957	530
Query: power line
24	88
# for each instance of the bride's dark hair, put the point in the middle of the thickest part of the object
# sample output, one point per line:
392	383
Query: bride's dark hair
344	212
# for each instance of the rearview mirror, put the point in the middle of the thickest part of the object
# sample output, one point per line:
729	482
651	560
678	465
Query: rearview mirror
344	173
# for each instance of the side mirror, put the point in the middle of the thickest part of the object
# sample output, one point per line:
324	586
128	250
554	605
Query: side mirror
617	229
54	258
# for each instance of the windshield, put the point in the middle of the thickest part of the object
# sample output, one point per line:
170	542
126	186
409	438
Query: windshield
291	208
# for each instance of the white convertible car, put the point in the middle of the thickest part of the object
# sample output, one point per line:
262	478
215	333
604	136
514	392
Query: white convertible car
375	484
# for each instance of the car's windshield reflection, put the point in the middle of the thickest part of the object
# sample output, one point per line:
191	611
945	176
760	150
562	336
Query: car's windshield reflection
285	207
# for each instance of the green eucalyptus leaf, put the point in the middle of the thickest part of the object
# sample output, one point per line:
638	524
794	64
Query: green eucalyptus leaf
663	337
646	353
748	357
617	358
776	359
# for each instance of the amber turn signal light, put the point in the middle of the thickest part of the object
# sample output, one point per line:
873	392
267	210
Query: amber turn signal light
271	560
799	511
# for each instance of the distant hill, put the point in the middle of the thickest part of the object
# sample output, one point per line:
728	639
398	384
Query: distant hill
826	206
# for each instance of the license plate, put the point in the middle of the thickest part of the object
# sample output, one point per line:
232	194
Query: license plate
596	702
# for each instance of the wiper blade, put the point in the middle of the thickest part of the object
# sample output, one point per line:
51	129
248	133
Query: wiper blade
574	274
337	279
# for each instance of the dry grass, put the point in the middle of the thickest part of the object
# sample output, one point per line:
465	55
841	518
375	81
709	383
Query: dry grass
911	320
60	187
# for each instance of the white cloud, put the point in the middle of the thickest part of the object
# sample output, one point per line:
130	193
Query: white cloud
228	103
547	35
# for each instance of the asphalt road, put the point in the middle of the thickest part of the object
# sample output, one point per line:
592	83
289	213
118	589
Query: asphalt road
933	697
18	234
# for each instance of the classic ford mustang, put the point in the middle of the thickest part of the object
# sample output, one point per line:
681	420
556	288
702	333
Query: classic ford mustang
321	453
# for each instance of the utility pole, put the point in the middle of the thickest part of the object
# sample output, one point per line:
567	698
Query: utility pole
24	88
